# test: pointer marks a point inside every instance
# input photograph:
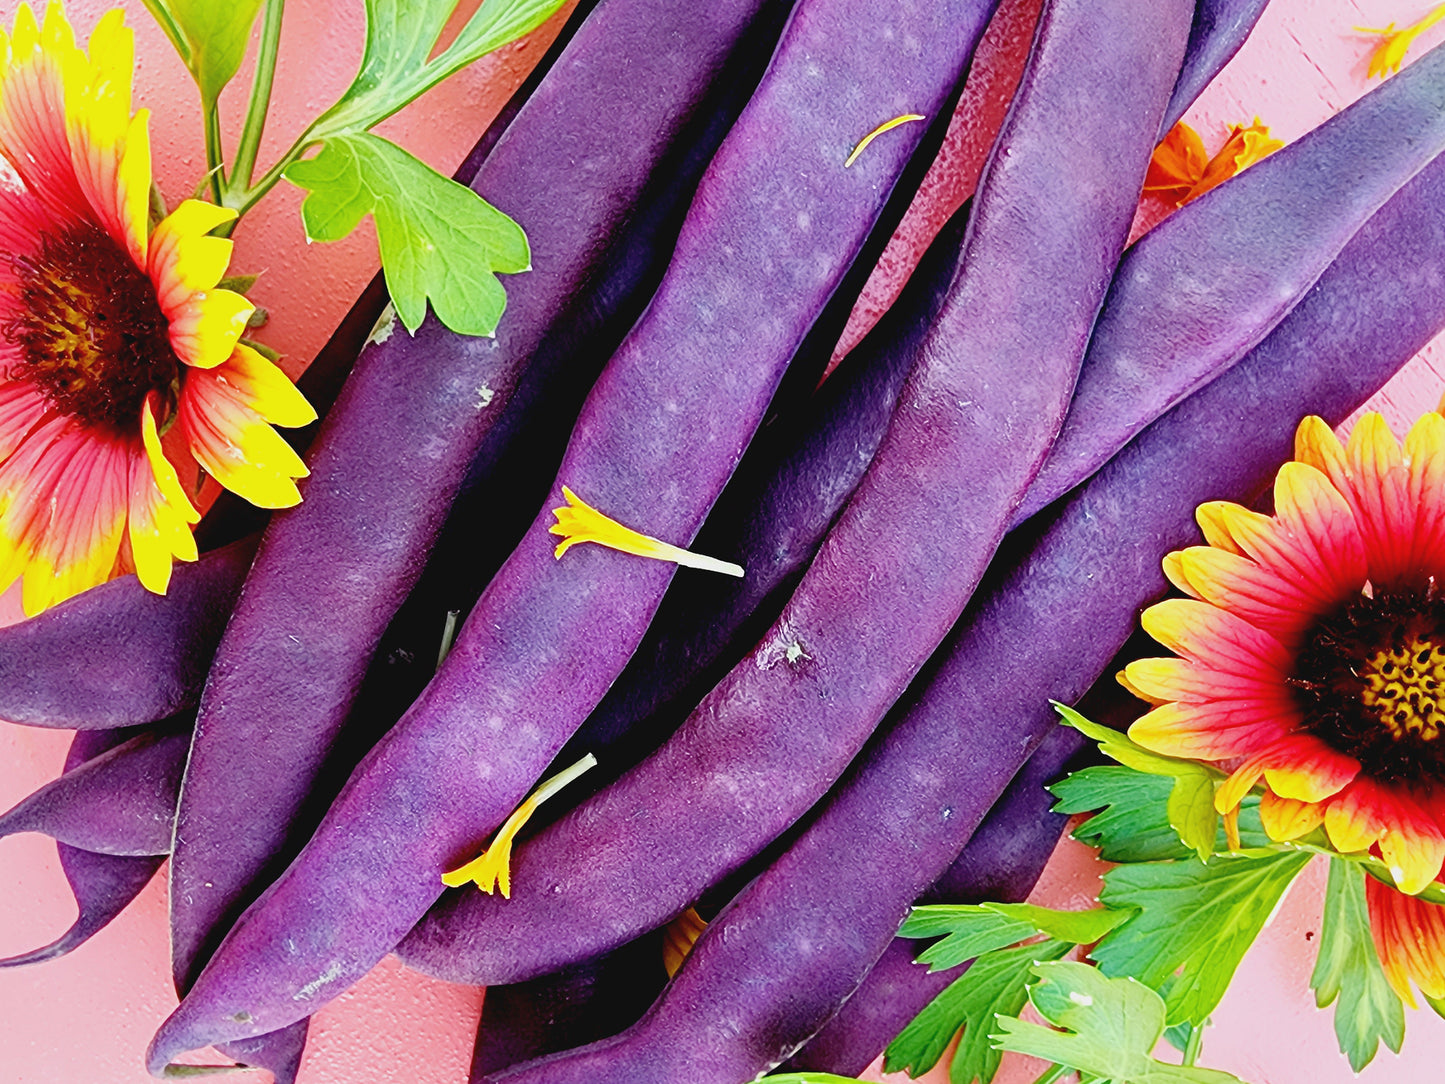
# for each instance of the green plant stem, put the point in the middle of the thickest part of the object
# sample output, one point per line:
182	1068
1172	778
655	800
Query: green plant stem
1194	1045
215	155
1433	893
260	102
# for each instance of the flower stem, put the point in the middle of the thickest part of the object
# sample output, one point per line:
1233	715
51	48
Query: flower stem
215	155
1194	1045
260	102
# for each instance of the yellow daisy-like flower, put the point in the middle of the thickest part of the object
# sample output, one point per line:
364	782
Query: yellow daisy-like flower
1311	660
111	332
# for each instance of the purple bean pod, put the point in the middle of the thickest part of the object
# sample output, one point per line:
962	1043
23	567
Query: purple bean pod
120	802
783	956
1220	29
898	567
118	655
1207	284
103	884
777	217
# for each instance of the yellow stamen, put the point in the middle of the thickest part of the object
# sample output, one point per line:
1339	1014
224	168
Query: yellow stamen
493	867
1389	54
886	126
679	937
578	521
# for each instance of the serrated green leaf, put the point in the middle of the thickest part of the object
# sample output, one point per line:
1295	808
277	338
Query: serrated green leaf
211	38
1347	968
400	37
440	241
1191	812
987	933
1113	743
1111	1025
1134	825
1075	927
1194	922
993	984
975	928
1436	1003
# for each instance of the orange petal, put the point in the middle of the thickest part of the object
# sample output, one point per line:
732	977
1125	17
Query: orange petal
1177	164
1217	730
232	440
1259	595
1305	769
1218	639
1289	818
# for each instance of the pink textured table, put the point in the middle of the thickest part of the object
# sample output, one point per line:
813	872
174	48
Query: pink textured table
87	1017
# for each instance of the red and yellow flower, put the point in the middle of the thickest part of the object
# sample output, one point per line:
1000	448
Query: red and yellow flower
1180	169
112	331
1311	660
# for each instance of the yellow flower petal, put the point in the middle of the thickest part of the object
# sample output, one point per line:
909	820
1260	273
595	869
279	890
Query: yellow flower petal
183	258
886	126
492	868
578	521
1289	818
1390	52
205	328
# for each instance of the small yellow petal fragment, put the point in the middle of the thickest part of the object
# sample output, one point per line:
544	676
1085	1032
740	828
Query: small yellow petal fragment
578	521
492	869
1389	54
886	126
679	937
1231	829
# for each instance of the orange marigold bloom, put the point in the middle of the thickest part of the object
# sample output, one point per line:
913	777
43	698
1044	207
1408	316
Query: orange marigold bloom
112	331
1311	659
1180	169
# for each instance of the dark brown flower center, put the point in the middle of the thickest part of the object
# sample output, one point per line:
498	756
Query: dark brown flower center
1371	682
90	330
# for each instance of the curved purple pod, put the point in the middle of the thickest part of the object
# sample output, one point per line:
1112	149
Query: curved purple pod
120	802
1207	284
103	884
118	655
1001	862
898	567
1220	29
783	956
775	224
770	519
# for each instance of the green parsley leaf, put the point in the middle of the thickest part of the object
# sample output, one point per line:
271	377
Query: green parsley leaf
400	37
440	241
1194	923
211	38
976	928
1112	1025
993	984
1134	825
1191	799
1347	968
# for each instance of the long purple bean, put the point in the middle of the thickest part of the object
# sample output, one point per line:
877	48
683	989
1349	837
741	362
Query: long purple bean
103	884
1001	862
121	802
773	228
119	655
1209	282
780	959
972	423
1220	29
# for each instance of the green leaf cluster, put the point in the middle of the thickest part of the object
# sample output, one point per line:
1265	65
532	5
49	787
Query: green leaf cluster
441	244
1110	1026
1368	1010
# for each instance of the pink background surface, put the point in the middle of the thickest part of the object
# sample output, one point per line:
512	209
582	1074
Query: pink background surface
87	1017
